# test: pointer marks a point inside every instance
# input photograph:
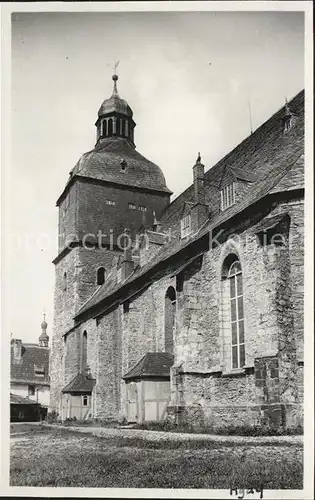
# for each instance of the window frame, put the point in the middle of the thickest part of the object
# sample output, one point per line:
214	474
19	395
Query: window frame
132	206
227	196
185	226
238	299
100	276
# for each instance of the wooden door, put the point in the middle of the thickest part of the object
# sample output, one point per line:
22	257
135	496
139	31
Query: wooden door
132	405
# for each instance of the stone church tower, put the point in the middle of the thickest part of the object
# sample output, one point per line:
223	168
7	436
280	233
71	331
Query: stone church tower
111	188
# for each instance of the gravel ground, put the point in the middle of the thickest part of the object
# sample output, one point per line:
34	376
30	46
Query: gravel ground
180	436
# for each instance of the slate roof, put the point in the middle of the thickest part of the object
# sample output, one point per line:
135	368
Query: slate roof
19	400
271	154
80	384
104	163
259	154
153	364
270	222
115	104
32	356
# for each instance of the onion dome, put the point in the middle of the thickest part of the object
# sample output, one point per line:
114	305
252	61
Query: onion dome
115	104
115	118
114	158
43	338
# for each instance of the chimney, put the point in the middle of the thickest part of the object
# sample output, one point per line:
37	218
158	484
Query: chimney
127	264
199	212
199	179
17	350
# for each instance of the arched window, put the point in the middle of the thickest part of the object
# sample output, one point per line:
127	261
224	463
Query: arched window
64	281
100	275
85	400
117	126
84	351
126	128
104	123
110	127
232	273
169	319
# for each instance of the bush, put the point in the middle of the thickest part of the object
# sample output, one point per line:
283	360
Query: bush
253	431
52	417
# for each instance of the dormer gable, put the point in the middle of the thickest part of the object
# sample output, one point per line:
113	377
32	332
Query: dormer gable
234	182
186	219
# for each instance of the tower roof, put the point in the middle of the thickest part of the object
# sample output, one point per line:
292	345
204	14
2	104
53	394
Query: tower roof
104	163
114	158
115	104
44	338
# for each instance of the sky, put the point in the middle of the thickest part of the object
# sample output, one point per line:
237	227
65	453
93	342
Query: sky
62	65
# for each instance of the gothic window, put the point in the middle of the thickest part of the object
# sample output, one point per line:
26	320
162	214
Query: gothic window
227	196
132	206
84	351
169	319
233	280
110	127
185	225
85	400
143	208
100	275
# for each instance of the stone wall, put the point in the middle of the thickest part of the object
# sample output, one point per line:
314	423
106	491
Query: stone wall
80	266
268	390
226	396
94	214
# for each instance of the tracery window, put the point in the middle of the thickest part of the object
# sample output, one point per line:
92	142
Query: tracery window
235	279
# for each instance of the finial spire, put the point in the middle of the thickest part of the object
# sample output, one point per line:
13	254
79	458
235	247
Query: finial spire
44	338
116	66
115	78
198	158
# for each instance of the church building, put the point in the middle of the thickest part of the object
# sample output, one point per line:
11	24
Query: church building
190	310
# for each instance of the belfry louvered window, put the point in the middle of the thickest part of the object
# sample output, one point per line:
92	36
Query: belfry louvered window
227	196
235	279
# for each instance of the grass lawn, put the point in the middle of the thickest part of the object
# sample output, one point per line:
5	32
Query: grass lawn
45	456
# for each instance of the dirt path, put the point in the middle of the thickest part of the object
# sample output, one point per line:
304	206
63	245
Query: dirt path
180	436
